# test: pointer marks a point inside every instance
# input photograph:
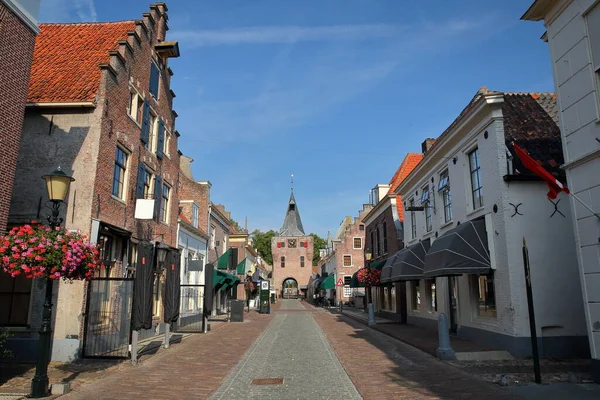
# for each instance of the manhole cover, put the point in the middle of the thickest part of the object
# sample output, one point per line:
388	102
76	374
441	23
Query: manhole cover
267	381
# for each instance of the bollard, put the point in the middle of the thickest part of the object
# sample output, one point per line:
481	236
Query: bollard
340	307
134	346
167	336
371	315
444	351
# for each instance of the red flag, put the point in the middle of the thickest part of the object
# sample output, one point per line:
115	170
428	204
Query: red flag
553	184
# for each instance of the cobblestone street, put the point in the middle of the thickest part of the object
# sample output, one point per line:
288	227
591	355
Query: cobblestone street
296	352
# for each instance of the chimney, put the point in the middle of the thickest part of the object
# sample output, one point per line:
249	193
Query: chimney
185	166
427	145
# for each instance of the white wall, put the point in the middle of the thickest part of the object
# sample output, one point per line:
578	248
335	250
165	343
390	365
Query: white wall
553	263
578	97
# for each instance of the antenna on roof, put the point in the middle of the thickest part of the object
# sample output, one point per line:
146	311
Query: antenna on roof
292	183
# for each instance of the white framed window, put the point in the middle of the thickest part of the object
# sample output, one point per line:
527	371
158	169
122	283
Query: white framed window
148	183
431	295
592	18
476	185
444	190
195	212
165	203
152	132
413	220
426	203
120	173
357	243
136	107
347	291
166	142
347	260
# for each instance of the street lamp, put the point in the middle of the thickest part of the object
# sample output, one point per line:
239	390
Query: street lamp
368	255
161	254
57	184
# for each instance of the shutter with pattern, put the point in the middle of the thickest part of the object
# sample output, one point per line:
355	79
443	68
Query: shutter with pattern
157	197
146	122
139	190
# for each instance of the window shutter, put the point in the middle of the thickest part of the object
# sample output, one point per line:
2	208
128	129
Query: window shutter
139	190
157	196
154	80
161	139
146	122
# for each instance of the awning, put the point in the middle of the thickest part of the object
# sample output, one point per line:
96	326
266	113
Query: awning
378	264
218	278
354	283
328	283
241	268
317	282
386	271
223	261
408	262
462	250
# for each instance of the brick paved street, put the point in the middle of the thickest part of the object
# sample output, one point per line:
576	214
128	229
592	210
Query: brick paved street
295	349
190	370
384	368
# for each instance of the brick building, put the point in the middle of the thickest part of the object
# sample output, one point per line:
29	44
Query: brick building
105	117
18	29
384	237
292	253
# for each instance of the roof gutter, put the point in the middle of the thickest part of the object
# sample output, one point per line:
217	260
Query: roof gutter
74	104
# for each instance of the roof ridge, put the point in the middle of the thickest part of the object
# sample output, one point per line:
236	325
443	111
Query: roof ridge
88	23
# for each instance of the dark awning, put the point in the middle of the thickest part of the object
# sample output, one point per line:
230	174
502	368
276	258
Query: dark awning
386	271
408	263
377	264
328	283
462	250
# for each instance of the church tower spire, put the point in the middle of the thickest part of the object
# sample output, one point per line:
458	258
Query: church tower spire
292	224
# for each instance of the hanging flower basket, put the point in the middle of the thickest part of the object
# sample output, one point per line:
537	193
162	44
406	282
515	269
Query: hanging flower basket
37	251
369	276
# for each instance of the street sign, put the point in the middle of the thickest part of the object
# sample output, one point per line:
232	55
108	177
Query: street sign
340	282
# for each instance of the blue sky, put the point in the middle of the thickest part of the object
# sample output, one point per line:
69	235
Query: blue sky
335	92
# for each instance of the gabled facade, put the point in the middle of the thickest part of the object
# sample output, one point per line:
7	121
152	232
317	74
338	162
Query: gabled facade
18	28
468	206
573	35
384	228
106	118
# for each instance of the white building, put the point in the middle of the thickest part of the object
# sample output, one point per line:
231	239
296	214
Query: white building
193	244
478	204
573	33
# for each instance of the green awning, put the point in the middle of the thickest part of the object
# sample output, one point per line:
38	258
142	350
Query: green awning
241	268
354	283
223	261
328	283
378	264
229	281
218	278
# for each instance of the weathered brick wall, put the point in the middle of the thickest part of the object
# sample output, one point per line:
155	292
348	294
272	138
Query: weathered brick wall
198	192
393	243
292	256
16	53
119	128
346	247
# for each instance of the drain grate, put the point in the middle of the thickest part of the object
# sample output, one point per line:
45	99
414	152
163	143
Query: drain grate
267	381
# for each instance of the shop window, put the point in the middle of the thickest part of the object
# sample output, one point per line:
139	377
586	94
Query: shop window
415	293
431	295
484	295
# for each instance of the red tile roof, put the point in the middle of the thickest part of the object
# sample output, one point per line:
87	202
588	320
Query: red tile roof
66	58
408	164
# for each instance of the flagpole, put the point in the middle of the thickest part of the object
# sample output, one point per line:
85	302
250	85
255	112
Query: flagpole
585	205
532	328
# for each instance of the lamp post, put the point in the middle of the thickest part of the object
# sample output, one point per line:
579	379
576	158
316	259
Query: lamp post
368	255
57	184
161	250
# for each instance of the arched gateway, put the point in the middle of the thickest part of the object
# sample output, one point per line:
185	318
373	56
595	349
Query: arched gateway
292	253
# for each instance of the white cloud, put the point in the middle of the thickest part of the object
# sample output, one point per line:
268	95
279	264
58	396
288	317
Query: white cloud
281	34
86	11
68	11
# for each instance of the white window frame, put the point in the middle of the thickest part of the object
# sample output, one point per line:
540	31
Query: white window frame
152	132
164	210
344	261
135	107
123	196
477	171
195	214
347	291
212	236
444	190
595	65
426	203
149	188
413	220
361	243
